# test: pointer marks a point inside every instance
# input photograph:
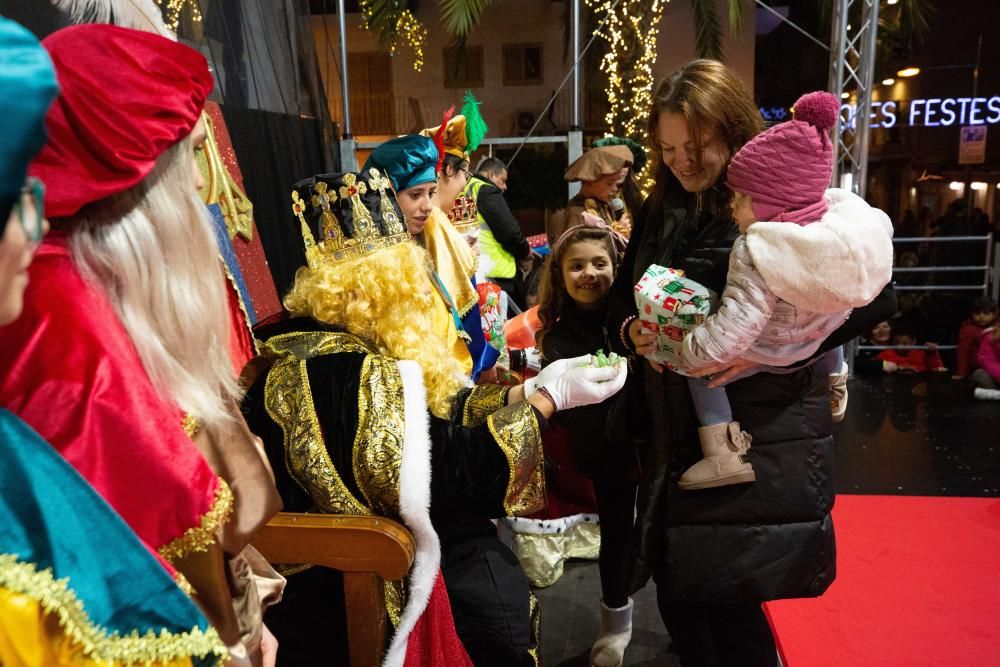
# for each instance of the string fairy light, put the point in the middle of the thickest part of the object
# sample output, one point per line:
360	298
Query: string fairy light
413	33
406	29
631	34
174	9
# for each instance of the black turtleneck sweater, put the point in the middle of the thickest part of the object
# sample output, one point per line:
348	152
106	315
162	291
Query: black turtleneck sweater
580	332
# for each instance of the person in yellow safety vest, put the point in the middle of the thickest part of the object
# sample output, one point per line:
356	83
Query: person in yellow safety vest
503	248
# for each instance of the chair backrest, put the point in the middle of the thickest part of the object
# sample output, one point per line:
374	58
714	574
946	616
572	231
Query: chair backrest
367	549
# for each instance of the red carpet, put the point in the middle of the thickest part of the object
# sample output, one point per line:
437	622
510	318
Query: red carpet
918	583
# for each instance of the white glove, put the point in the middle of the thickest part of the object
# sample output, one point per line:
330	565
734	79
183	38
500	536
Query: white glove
586	386
552	371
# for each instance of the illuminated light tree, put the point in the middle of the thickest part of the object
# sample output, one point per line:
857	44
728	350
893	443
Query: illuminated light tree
630	30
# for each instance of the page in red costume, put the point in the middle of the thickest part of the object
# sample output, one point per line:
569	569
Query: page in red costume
69	369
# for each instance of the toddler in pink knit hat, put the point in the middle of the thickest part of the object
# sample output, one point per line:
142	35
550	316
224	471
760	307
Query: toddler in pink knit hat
807	254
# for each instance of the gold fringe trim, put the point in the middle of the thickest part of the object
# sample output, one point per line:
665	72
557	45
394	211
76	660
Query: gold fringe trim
183	584
55	597
198	538
191	425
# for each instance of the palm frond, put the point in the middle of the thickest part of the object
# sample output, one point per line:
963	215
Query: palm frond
382	17
914	20
736	25
708	34
461	16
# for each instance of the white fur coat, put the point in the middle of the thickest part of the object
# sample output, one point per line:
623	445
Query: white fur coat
790	286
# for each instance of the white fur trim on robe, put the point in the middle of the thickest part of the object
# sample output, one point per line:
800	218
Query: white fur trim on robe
840	262
414	508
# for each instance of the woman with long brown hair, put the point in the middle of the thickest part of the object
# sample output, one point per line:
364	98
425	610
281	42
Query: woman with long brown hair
717	554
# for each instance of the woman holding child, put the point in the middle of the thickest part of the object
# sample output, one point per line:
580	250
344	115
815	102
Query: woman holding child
717	553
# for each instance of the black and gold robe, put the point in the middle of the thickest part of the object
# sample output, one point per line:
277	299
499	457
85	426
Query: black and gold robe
347	431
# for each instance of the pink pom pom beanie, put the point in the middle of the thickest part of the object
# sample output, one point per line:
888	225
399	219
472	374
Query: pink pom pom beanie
787	168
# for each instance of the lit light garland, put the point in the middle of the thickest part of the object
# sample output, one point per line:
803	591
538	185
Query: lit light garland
174	9
630	31
406	29
414	34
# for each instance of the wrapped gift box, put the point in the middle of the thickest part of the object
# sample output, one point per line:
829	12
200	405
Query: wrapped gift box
670	306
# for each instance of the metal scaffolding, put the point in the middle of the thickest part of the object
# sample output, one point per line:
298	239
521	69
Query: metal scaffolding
852	68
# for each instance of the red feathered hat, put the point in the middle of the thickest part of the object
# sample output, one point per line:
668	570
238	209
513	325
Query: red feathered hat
126	97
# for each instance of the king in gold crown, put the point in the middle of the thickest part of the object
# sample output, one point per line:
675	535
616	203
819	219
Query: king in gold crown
464	215
350	214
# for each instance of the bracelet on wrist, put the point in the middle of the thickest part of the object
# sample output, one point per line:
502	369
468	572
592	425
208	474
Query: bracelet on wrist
545	392
623	334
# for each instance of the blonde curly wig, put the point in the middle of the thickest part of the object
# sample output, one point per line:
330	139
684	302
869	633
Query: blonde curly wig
385	298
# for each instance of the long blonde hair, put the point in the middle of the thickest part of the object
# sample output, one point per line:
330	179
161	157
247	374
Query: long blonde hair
386	299
152	250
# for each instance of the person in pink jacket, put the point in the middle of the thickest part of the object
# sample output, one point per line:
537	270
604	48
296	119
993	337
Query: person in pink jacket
987	376
982	317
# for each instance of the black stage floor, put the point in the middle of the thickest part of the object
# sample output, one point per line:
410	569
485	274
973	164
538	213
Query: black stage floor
922	435
918	435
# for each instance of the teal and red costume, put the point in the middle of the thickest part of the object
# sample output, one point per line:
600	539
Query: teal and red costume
63	600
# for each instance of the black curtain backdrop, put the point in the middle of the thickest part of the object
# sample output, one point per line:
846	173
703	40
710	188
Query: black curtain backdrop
262	55
274	151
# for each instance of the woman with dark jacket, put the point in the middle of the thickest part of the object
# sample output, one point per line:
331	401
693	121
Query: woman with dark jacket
716	555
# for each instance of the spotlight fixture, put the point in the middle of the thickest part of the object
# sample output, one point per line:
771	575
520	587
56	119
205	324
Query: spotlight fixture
888	82
908	71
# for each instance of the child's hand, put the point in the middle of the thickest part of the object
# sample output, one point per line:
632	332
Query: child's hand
644	343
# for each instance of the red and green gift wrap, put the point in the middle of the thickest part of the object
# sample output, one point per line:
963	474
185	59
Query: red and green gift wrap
493	312
670	306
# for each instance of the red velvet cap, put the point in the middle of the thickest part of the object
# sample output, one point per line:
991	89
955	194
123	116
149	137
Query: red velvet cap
126	97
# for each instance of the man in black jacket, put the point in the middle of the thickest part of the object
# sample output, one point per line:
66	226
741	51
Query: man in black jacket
504	250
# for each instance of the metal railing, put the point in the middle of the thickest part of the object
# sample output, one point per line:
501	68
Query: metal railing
986	268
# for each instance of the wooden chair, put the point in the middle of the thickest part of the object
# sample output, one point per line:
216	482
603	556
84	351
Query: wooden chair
367	550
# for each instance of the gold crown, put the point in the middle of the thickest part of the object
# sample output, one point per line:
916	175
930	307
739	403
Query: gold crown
353	217
464	215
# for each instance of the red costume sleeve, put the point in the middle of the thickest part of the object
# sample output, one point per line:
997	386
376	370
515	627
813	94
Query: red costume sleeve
69	369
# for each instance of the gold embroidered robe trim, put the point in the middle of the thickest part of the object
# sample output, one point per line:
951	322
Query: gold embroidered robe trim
536	626
198	538
482	401
515	429
378	444
288	400
308	344
395	600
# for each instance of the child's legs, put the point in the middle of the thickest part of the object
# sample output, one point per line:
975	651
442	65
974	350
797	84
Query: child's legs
711	405
835	360
616	510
